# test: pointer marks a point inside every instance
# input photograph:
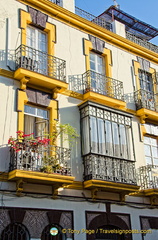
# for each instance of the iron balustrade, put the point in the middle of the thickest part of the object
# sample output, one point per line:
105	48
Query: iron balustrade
40	62
109	169
97	20
58	2
36	158
146	99
96	82
141	42
148	177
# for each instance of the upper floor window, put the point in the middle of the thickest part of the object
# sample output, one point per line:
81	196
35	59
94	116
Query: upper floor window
36	120
36	39
151	150
97	63
151	144
145	79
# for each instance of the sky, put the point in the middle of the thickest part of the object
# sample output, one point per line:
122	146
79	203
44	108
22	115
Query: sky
144	10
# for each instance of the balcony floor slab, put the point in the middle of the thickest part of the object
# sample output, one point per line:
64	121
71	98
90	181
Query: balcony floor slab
40	177
40	80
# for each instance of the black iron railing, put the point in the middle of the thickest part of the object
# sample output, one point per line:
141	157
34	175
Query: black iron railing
58	2
109	169
97	20
49	158
95	82
148	177
40	62
141	42
146	99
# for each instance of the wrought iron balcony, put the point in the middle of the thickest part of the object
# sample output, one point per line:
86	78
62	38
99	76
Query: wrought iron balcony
109	169
97	20
148	177
58	2
40	62
142	42
146	99
38	158
95	82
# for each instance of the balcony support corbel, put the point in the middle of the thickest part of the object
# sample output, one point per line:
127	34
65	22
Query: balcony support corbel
55	188
142	118
19	187
23	82
122	196
94	193
154	200
56	90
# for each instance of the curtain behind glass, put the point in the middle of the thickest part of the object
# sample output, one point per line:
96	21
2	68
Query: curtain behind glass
85	136
29	126
94	137
123	141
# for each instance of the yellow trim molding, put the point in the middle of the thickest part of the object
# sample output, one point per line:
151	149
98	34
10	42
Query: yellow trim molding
108	101
106	54
39	80
39	177
22	100
84	25
50	30
6	73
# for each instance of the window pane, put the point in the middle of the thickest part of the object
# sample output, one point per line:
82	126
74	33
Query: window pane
85	136
147	150
42	42
155	152
42	113
147	140
101	136
29	124
123	141
116	139
92	66
41	127
31	40
109	145
30	110
148	160
155	161
94	139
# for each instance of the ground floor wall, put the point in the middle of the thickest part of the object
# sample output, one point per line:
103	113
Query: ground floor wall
78	219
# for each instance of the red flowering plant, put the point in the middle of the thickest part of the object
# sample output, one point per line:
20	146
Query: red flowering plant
26	140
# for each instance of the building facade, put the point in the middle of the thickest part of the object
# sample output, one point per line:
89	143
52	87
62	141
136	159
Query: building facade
96	77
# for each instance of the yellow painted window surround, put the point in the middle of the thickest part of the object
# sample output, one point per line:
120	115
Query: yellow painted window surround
25	20
22	100
152	71
106	54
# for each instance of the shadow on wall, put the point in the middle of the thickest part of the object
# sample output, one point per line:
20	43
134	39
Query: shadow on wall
7	60
71	116
130	102
4	158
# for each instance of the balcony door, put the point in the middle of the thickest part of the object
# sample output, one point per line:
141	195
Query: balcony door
146	86
36	50
97	73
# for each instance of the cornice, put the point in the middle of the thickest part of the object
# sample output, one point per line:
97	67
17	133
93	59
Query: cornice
74	20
